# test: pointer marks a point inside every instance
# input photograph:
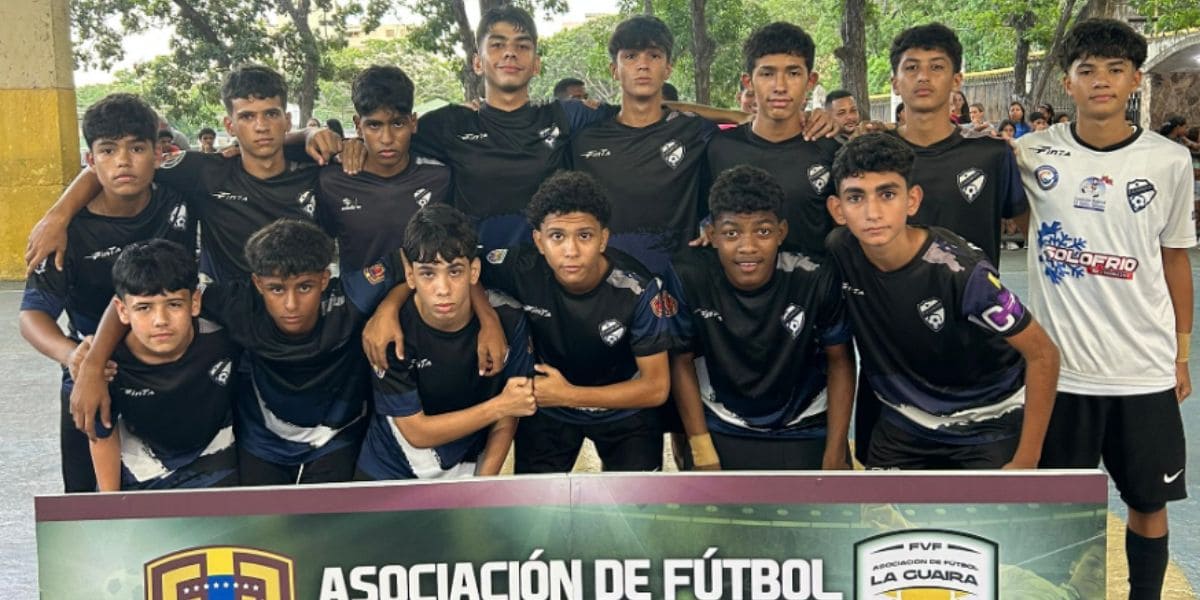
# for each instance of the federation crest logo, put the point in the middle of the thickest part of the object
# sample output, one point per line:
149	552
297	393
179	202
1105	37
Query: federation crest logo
1140	192
970	183
1047	177
497	256
933	313
793	320
178	217
672	153
220	371
422	196
611	331
926	563
818	176
375	273
221	572
664	305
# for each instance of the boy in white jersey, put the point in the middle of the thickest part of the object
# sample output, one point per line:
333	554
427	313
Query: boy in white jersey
1110	279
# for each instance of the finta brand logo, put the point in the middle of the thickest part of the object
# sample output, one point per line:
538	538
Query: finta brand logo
926	563
1050	151
221	572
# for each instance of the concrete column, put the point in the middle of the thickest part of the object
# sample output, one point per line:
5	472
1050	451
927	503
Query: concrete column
39	136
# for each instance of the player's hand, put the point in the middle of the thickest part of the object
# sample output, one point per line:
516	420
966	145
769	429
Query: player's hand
90	394
819	124
866	127
591	103
354	154
474	105
835	461
382	329
516	400
231	151
491	347
702	240
321	144
48	236
80	352
551	388
1021	464
1183	382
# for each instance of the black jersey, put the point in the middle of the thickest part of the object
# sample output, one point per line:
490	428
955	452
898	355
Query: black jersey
499	158
438	375
593	338
653	177
84	287
759	358
970	184
305	396
367	213
802	168
172	415
932	335
232	204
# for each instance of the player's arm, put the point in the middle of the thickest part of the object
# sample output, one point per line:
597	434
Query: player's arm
43	333
427	431
1041	384
49	235
106	461
492	347
686	388
90	393
1177	269
646	390
712	113
499	440
840	391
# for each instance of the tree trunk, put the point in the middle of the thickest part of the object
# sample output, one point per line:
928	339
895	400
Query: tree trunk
648	7
306	96
472	83
703	51
1022	23
1099	9
201	23
1050	61
852	56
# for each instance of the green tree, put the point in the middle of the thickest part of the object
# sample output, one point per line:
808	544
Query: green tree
434	77
580	52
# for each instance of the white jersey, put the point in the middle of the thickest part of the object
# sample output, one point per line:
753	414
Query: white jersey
1100	219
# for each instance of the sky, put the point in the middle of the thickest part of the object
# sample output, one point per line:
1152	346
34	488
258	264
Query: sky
142	47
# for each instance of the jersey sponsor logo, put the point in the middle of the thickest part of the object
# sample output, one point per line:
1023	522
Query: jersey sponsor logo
230	197
375	273
970	183
1140	192
1050	151
349	204
705	313
178	217
793	320
1066	257
422	196
221	572
142	393
172	160
220	371
1047	177
308	202
611	332
818	177
473	137
663	305
550	135
598	153
672	153
926	563
1091	193
933	313
108	252
497	256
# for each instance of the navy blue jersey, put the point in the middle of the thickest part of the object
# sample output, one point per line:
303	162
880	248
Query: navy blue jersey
653	177
367	213
304	396
499	158
802	168
232	204
84	287
438	375
760	362
932	335
176	418
592	338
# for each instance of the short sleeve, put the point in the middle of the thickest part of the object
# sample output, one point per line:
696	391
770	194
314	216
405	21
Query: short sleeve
395	390
367	287
501	269
230	304
184	171
990	305
46	289
655	321
430	139
579	115
1180	230
685	324
520	347
833	328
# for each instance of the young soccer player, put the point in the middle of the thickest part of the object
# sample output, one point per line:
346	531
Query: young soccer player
1110	276
435	414
767	380
172	397
779	62
127	207
964	373
601	328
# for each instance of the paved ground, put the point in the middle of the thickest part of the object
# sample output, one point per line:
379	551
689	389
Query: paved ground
29	455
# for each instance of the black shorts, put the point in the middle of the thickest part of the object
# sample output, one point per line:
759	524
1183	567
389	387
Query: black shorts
1140	438
739	453
78	473
544	444
334	467
895	448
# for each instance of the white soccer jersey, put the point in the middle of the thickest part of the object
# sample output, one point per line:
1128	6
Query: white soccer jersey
1100	219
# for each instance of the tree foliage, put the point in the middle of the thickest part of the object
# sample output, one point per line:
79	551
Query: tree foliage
580	52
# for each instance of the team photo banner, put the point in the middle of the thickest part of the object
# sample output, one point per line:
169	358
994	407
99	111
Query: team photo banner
875	535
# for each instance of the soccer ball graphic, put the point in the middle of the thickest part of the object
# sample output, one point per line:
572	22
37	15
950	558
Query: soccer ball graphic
122	585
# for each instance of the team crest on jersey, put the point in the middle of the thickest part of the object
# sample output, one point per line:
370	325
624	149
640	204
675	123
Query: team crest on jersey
933	313
793	320
220	371
172	160
818	176
308	202
1047	177
970	183
664	305
672	153
611	331
1091	193
41	268
374	273
497	256
1139	192
422	196
549	135
178	217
